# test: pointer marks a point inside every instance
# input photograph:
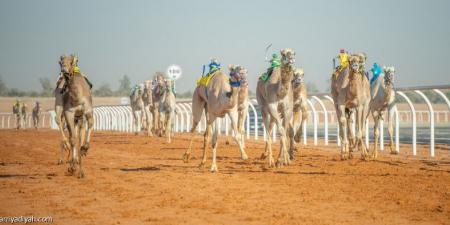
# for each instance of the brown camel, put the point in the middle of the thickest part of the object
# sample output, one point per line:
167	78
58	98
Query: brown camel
147	98
274	97
383	97
137	107
20	110
351	93
167	110
78	112
157	93
36	114
300	103
218	98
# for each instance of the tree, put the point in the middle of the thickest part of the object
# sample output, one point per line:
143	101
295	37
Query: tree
124	86
311	87
3	88
47	87
104	91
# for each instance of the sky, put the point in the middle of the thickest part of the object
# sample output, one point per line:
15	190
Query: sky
137	38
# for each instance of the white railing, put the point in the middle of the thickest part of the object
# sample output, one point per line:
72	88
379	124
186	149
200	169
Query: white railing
8	120
120	118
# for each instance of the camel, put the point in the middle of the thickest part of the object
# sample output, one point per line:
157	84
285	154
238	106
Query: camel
20	110
242	107
78	112
274	97
383	97
147	99
137	107
167	110
300	103
36	114
219	97
351	93
157	93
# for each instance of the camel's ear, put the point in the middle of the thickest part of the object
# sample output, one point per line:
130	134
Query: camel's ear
283	51
231	67
74	60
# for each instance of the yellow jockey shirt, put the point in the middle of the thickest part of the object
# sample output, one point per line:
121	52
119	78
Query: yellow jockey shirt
343	59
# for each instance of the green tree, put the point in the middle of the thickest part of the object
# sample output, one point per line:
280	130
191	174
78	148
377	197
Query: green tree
104	91
311	87
47	87
3	88
124	86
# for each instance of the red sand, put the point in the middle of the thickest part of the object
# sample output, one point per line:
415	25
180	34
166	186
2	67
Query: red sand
141	180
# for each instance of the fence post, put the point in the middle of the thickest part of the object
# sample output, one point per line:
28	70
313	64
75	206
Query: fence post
314	121
325	117
431	117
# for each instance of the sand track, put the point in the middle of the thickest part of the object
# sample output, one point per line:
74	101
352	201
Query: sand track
140	180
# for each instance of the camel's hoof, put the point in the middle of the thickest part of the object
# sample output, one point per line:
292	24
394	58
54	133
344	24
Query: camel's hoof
60	162
343	157
244	157
227	142
186	157
70	171
81	174
201	165
214	169
394	153
281	163
263	156
84	150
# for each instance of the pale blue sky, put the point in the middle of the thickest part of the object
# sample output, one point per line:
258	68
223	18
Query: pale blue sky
113	38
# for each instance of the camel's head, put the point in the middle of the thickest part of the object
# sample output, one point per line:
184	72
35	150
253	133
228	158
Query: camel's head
238	74
389	73
298	76
287	56
37	103
68	64
355	63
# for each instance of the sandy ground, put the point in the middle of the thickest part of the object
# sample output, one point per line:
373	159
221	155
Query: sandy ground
141	180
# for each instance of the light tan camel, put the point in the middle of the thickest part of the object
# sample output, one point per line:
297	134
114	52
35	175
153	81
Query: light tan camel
147	98
59	118
300	103
167	110
217	99
157	93
36	114
242	107
137	107
78	112
274	97
383	97
351	92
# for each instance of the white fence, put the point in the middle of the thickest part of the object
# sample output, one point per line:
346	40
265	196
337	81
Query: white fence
119	118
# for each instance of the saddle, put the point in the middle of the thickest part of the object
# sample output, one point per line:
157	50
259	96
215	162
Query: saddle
204	80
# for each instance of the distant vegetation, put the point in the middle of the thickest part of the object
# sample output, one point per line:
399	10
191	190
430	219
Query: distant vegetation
105	90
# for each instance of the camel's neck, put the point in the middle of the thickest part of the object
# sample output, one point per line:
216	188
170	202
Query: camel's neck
234	97
284	84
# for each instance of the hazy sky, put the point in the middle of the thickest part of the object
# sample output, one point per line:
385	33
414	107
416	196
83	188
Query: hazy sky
137	38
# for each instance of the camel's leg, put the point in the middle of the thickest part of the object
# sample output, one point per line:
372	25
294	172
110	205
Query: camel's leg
304	113
214	146
267	124
241	124
149	121
206	139
283	157
390	112
82	135
60	121
72	128
350	134
198	106
136	121
86	143
237	133
376	132
340	112
169	126
295	123
360	118
287	124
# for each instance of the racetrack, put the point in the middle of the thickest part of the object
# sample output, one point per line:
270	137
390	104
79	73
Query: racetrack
142	180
